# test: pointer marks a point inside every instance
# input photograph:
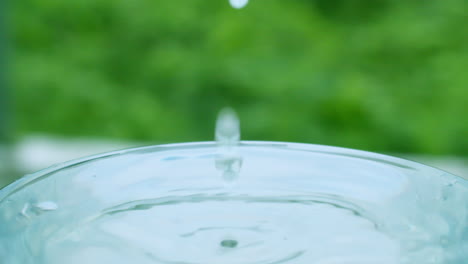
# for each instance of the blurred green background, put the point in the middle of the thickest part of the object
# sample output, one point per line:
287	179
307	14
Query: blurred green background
381	75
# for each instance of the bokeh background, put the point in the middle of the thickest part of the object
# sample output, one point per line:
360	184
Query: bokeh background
388	76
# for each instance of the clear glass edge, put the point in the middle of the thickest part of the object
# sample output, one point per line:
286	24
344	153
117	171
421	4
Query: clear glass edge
323	149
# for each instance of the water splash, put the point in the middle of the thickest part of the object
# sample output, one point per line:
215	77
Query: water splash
227	136
227	129
238	4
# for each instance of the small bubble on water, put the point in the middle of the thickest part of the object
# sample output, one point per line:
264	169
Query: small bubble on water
229	243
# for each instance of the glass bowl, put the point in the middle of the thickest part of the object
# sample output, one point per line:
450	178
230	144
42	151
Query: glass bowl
265	203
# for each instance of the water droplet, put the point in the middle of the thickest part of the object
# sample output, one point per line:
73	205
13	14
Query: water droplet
227	128
238	3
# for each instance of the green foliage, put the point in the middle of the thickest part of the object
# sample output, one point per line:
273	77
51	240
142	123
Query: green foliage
381	75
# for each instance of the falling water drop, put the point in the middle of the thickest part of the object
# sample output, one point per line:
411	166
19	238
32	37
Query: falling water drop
238	3
227	136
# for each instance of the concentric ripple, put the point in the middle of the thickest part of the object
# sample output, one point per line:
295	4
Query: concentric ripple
201	229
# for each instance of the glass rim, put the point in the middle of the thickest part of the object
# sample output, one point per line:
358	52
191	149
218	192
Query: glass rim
402	163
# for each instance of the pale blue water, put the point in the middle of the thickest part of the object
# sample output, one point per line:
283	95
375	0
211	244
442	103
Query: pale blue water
288	203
